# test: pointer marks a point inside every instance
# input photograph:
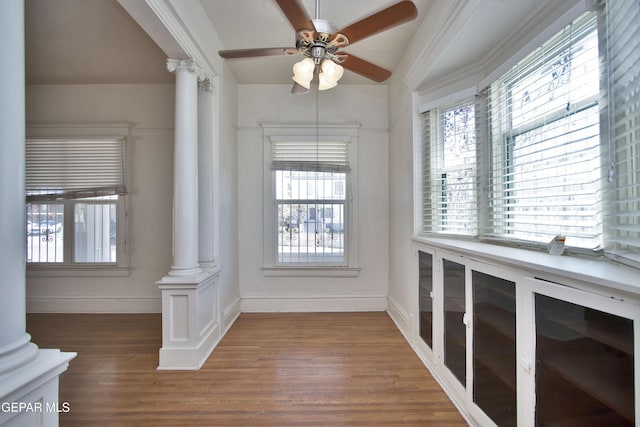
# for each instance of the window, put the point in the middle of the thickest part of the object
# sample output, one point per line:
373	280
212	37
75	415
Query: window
549	148
309	218
75	201
545	118
451	184
622	189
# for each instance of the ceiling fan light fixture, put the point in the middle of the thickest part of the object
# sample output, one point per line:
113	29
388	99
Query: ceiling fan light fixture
303	72
331	70
304	83
325	82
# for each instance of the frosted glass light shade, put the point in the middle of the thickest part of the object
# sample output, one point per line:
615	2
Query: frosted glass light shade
325	82
332	71
303	72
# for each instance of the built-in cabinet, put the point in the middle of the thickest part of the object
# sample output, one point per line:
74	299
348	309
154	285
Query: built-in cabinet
512	349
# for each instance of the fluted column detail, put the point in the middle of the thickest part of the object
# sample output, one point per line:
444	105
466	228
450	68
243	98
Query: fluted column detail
185	168
206	184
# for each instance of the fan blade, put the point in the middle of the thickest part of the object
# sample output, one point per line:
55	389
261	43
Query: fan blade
365	68
251	53
296	15
390	17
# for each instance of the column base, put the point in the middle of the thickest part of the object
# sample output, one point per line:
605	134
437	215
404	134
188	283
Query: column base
29	394
190	320
185	272
19	353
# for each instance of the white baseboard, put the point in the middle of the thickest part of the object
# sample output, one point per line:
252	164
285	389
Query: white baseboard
124	304
230	314
402	319
189	358
257	304
405	324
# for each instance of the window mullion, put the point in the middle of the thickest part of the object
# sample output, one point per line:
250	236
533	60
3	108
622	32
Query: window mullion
69	231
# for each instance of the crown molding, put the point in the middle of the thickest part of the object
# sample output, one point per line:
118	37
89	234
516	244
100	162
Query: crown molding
439	27
547	19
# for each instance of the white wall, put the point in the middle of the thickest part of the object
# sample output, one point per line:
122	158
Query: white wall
364	104
227	250
403	289
150	108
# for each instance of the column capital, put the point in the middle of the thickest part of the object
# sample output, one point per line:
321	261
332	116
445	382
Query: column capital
206	85
190	65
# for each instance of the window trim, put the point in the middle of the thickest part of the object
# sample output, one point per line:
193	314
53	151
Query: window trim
346	132
122	267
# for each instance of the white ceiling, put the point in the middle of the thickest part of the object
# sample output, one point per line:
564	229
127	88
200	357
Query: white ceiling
97	41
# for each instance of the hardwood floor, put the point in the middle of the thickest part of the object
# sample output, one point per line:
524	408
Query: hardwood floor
284	369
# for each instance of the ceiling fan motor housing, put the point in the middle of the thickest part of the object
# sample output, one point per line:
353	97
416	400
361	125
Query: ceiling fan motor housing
317	44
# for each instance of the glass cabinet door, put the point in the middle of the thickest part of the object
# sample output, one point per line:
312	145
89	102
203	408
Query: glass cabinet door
425	291
494	347
455	345
584	365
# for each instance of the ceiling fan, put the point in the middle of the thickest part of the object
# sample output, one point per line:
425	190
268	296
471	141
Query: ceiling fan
320	43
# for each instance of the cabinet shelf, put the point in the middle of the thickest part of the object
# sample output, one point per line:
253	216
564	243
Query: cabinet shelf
614	337
498	318
508	294
495	328
501	363
581	363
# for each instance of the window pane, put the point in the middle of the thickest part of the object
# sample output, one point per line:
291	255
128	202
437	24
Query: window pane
623	55
310	233
564	77
45	240
454	192
311	217
95	234
554	182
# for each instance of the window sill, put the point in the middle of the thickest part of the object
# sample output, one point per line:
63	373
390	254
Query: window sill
597	271
77	271
310	271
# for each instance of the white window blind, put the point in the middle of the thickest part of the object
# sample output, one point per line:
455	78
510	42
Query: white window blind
546	174
428	132
71	169
450	183
312	156
623	186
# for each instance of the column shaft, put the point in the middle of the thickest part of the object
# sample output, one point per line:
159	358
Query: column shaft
185	178
15	346
206	252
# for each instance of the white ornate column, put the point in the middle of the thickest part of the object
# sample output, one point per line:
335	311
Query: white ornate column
27	374
15	344
185	168
190	325
206	182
